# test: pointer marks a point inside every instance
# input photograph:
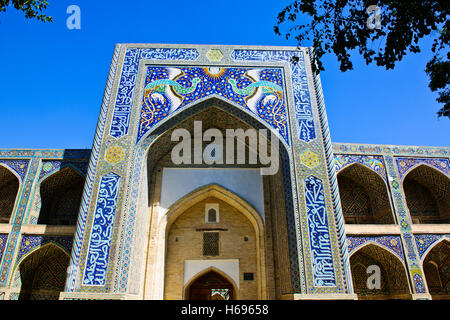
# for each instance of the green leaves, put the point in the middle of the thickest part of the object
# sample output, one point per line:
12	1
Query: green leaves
32	8
439	72
340	26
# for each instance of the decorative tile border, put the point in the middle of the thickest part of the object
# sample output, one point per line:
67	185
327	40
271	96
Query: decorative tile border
3	239
403	219
90	179
374	149
100	239
16	218
319	233
32	242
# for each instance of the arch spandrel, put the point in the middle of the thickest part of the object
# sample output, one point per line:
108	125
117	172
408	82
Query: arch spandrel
405	165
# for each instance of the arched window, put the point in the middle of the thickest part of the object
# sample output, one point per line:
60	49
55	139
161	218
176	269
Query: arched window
9	186
212	215
211	212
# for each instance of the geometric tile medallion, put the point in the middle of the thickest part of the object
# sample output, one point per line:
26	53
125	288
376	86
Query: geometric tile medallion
114	154
310	159
214	55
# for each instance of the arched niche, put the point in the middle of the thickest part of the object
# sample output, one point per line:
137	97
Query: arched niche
9	187
427	193
43	273
241	239
393	279
364	196
61	195
436	266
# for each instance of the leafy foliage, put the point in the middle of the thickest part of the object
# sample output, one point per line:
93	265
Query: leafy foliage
340	26
32	8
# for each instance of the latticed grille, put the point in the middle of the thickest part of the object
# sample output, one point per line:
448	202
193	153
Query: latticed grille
211	244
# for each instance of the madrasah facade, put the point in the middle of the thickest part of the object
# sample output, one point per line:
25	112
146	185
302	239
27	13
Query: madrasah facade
143	216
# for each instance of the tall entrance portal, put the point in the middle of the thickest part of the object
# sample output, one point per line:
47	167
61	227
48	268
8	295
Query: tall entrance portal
122	249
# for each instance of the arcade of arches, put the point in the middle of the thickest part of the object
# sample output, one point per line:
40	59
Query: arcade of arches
152	228
242	252
41	275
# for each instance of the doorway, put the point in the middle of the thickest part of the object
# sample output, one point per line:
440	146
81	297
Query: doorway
210	286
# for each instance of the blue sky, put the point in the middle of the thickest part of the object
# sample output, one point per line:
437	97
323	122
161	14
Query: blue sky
52	79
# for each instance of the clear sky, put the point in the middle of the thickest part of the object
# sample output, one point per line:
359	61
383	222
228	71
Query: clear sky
52	79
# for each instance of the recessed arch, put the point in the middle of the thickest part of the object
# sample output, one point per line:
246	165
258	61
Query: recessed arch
427	193
393	279
201	195
364	196
149	145
214	191
41	274
9	190
60	197
436	266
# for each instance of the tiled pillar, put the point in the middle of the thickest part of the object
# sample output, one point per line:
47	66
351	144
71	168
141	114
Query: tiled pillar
416	274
